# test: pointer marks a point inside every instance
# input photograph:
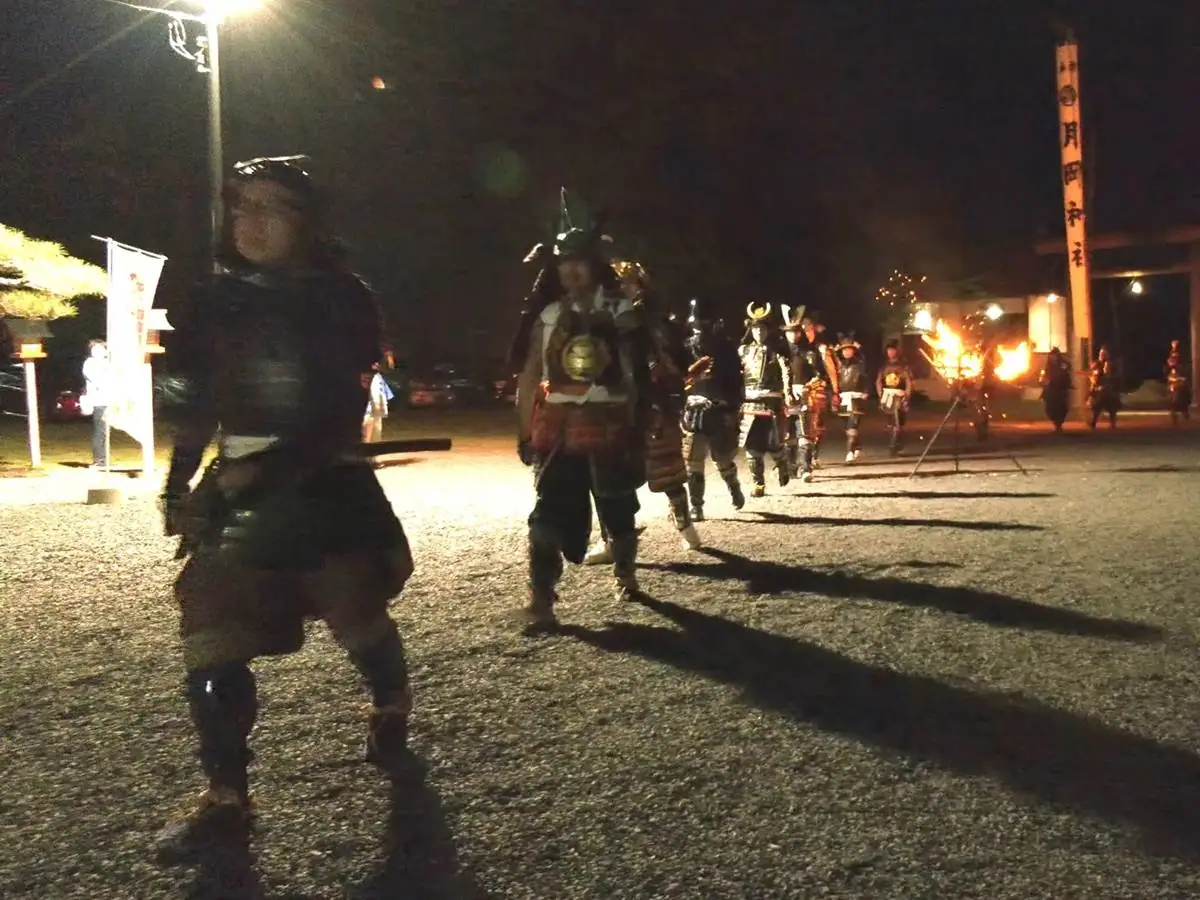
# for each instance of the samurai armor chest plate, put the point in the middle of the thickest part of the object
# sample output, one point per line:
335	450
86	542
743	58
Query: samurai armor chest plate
583	351
760	370
584	358
893	377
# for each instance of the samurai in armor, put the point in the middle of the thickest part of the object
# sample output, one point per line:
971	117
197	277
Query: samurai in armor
666	472
811	363
1178	388
712	400
583	403
1104	390
665	469
286	525
1056	387
853	391
894	386
766	381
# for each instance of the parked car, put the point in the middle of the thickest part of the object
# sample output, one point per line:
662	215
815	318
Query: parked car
12	390
504	390
428	393
67	407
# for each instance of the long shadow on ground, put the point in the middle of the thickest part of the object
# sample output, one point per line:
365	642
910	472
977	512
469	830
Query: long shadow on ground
826	475
421	858
228	871
983	606
771	518
931	495
1058	757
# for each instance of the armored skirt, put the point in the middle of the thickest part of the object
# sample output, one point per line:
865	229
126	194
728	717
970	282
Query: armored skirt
665	467
328	548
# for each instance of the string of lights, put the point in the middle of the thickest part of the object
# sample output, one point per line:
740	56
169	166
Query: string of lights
899	290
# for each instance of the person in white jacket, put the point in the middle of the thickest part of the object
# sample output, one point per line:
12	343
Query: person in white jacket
95	399
377	409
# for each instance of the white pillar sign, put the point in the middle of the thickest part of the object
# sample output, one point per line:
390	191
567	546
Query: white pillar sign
1070	139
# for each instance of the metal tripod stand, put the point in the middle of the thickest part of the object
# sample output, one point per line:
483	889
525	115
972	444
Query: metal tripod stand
955	412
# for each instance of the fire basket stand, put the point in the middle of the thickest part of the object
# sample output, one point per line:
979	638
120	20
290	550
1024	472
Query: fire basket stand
960	390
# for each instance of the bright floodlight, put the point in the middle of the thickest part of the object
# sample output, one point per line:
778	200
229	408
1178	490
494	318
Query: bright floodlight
993	312
1052	298
1135	287
923	320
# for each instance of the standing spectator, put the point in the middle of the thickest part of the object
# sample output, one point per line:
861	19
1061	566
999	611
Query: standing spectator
377	408
96	376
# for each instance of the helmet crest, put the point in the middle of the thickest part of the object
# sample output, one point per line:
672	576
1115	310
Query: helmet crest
757	315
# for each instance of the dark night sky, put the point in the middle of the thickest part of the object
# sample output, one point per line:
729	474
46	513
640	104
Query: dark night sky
792	151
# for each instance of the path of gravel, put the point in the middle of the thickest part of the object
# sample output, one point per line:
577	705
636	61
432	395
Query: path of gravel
872	687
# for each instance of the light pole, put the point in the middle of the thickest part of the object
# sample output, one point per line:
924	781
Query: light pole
207	57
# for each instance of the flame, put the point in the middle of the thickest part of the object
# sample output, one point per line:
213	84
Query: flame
1012	362
949	355
955	360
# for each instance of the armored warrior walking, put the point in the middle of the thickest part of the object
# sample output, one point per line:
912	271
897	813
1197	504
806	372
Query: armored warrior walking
1104	390
666	472
712	401
894	386
285	525
583	404
1178	389
766	381
1056	387
812	365
853	391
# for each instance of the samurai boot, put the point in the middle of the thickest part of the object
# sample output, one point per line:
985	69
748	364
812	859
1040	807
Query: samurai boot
735	488
385	669
758	474
600	553
682	521
783	468
545	568
625	566
695	485
853	447
387	733
223	702
808	452
793	458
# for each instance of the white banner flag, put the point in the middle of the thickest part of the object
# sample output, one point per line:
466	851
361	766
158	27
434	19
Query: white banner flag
132	281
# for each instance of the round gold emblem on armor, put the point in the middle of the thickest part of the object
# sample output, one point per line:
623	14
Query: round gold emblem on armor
584	358
891	380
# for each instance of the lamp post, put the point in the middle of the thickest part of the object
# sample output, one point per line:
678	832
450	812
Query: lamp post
207	57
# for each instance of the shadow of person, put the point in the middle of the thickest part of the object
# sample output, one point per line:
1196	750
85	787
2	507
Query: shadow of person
931	495
772	518
227	870
1054	756
421	860
982	606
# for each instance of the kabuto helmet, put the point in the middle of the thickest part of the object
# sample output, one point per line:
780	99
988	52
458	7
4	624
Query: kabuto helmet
285	171
756	317
631	270
793	317
306	197
847	342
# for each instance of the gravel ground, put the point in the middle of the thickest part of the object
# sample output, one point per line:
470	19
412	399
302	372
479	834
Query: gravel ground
980	685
